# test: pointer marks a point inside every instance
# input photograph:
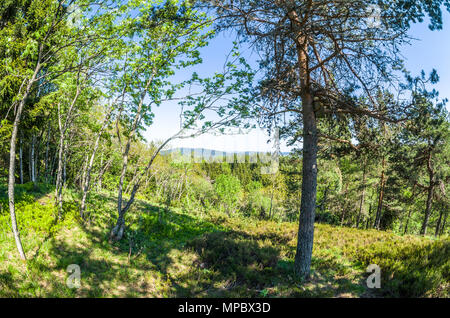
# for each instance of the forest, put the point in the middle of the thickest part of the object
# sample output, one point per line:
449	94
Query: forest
84	191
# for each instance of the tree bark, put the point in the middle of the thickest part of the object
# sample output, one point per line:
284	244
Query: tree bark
302	263
32	161
36	156
309	186
11	180
64	172
12	163
21	160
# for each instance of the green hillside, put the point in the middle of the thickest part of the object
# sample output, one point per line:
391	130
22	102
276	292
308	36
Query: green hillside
180	254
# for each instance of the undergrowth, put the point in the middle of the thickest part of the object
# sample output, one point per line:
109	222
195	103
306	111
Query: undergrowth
204	254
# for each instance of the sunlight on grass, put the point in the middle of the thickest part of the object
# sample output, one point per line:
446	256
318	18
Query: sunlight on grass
209	256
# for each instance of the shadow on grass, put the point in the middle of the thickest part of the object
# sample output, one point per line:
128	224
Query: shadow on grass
253	266
116	269
25	192
7	286
183	256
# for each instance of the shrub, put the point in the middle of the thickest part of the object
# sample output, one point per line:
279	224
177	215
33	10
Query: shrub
327	217
410	269
257	203
228	190
200	193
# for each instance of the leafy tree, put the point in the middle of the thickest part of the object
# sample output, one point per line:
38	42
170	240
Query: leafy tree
157	40
39	30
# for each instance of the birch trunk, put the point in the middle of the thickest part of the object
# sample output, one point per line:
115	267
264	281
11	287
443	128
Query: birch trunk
12	164
32	162
21	160
87	181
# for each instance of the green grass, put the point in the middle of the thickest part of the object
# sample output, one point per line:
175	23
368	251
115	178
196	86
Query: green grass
203	255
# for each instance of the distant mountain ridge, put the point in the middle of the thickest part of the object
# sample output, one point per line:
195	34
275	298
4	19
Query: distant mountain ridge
213	152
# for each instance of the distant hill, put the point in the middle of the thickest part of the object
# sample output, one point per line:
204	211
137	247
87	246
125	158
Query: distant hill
208	153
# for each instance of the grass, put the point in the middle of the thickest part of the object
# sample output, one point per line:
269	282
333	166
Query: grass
204	255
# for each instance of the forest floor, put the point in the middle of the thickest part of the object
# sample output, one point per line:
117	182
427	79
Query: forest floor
204	254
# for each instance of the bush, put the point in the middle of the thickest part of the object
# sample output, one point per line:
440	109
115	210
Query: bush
228	190
327	217
257	204
409	269
34	215
200	193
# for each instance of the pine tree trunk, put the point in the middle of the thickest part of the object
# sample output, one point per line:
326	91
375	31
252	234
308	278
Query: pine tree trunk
443	224
380	197
423	230
438	225
369	216
407	222
302	264
361	202
309	186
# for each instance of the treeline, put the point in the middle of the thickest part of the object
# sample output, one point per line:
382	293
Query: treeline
352	186
79	80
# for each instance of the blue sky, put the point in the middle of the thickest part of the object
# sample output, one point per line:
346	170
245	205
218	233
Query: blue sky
430	50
